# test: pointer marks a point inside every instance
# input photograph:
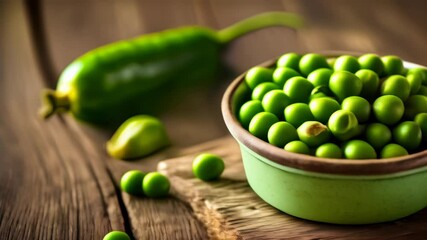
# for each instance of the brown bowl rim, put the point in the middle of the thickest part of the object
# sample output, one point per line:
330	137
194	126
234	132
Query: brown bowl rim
307	162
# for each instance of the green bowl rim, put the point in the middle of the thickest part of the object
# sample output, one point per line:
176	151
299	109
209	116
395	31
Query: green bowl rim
311	163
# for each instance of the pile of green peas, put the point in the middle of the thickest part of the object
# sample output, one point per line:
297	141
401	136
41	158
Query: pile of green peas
363	107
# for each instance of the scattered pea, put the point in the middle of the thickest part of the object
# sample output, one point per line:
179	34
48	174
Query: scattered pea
116	235
131	182
298	113
408	135
320	77
282	133
155	185
248	111
345	84
290	60
313	133
275	102
378	135
346	63
207	166
283	74
370	83
310	62
257	75
323	107
372	62
358	149
396	85
392	65
297	147
393	150
298	89
359	106
262	89
388	109
260	124
329	150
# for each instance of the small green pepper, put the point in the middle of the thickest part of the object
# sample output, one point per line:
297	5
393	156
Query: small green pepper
137	137
112	83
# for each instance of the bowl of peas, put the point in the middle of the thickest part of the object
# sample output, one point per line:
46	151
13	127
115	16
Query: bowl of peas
334	138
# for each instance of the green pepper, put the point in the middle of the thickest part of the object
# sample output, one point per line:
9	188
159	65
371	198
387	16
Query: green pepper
109	84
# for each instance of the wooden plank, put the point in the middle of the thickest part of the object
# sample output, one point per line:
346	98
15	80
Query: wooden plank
52	186
231	210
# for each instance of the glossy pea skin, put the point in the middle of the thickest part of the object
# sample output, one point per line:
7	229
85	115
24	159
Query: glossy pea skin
370	83
371	62
415	80
258	75
359	106
421	72
275	102
323	107
393	65
155	185
310	62
396	85
282	133
137	137
407	134
313	133
378	135
358	149
345	84
290	60
414	105
298	113
298	89
208	167
343	124
320	77
297	147
421	120
388	109
283	74
346	63
131	182
248	110
261	123
263	88
329	150
116	235
393	150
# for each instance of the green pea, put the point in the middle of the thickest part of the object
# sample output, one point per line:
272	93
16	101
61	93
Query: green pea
313	133
388	109
393	150
260	124
378	135
320	77
323	107
358	149
421	72
415	80
155	185
282	133
346	63
137	137
359	106
275	102
343	124
408	135
396	85
298	89
298	113
345	84
248	111
372	62
283	74
263	88
370	83
131	182
329	150
422	91
310	62
258	75
297	147
421	120
207	166
290	60
392	65
414	105
116	235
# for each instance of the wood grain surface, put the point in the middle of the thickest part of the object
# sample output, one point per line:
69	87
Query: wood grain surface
57	182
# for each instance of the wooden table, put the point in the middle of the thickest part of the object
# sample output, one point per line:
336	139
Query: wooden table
56	180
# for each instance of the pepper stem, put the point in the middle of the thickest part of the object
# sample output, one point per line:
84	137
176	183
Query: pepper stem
257	22
53	102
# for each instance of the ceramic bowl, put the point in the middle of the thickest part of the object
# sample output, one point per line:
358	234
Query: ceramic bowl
340	191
